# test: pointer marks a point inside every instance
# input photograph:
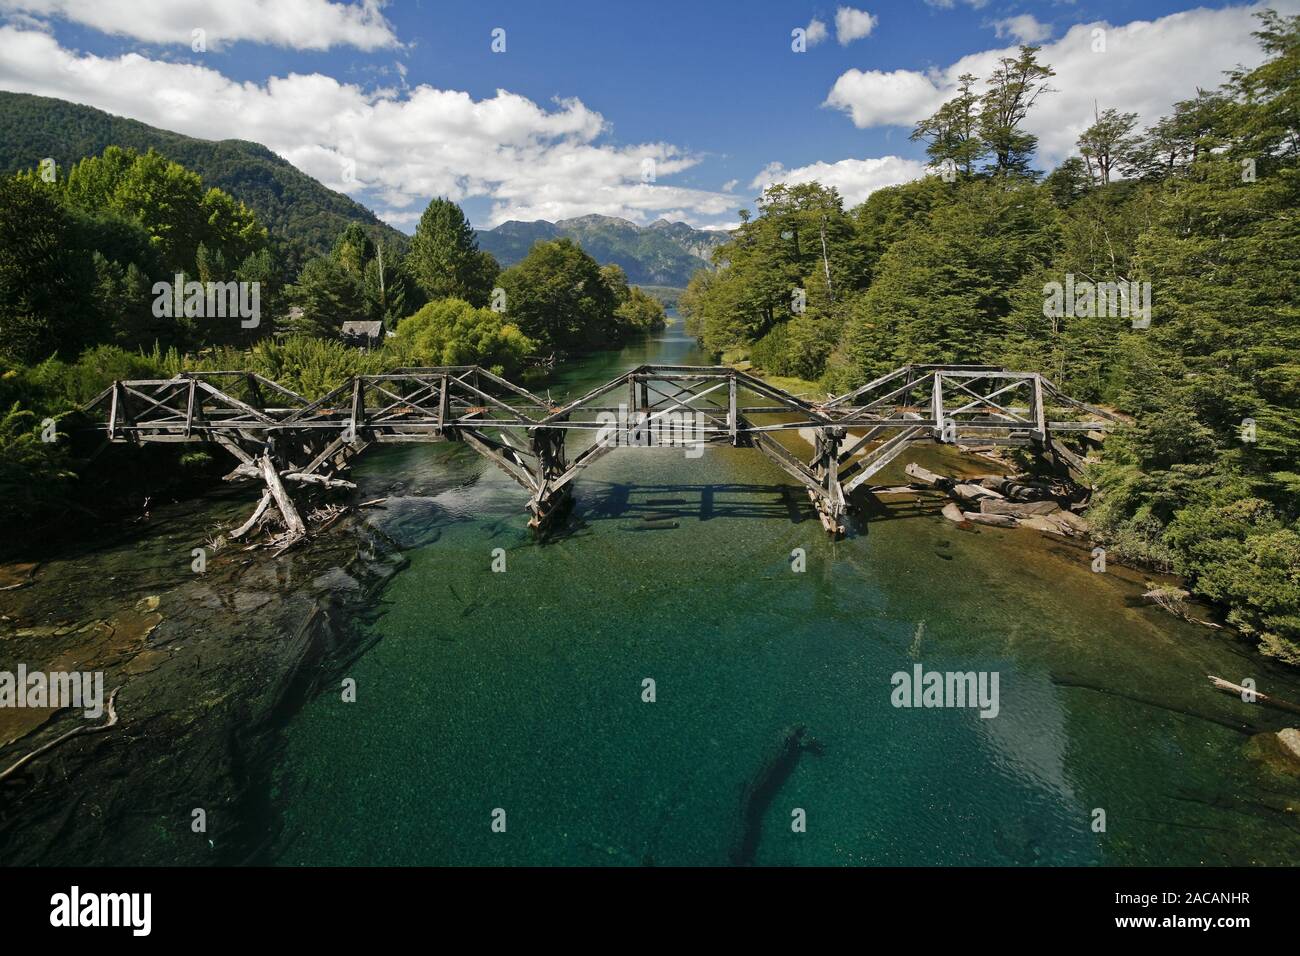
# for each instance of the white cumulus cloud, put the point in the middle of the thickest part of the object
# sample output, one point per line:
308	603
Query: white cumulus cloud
299	24
1147	66
856	179
1023	28
851	24
815	32
393	149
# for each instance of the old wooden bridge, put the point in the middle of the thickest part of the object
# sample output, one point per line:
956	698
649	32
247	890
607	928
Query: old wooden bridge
288	441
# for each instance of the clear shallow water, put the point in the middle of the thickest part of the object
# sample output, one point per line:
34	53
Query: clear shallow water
522	690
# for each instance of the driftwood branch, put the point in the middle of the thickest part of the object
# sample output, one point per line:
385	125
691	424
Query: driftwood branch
1242	692
82	729
247	526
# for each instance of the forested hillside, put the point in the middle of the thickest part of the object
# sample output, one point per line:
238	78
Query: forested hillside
303	214
959	267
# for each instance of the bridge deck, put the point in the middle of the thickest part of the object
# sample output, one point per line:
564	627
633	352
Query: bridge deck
278	435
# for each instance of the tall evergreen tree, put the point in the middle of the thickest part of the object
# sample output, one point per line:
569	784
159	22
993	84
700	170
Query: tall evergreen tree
445	259
1014	88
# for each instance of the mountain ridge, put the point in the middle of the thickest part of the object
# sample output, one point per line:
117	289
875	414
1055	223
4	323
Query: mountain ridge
663	253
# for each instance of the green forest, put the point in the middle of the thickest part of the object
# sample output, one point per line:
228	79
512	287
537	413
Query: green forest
953	268
302	215
85	252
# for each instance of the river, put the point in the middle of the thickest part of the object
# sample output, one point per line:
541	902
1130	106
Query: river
500	717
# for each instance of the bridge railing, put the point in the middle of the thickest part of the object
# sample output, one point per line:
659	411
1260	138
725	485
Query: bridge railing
273	430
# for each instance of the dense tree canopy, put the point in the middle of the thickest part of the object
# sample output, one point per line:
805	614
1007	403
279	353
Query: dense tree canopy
1198	210
560	298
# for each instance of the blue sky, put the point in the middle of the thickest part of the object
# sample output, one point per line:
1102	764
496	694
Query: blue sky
397	102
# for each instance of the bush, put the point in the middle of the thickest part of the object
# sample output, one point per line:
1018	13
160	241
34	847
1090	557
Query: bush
453	332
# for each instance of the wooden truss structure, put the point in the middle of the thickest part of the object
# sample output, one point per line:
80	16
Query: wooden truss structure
286	440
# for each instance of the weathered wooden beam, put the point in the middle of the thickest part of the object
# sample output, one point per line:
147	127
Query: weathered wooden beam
292	520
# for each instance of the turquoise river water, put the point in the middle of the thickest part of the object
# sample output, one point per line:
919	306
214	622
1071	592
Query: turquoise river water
518	696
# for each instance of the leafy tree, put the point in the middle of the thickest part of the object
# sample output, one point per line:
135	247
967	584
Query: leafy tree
943	293
1266	115
1194	130
387	289
800	240
558	297
1069	182
445	259
953	135
640	312
453	332
1108	144
328	295
47	280
353	249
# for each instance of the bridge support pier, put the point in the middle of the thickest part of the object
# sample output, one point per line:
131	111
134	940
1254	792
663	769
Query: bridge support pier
550	496
829	499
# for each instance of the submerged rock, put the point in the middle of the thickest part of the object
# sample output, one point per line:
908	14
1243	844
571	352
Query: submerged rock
1279	752
1290	739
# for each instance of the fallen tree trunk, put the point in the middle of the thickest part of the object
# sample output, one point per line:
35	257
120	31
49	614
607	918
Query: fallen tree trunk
1242	692
974	493
954	514
247	526
1241	726
997	521
1018	509
1019	490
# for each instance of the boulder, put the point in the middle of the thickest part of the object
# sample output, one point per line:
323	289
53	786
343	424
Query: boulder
953	513
1289	738
1075	523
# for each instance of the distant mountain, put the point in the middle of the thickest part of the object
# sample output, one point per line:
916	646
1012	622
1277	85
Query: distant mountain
295	207
662	254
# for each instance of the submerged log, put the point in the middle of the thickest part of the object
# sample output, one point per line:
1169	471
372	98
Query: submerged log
1018	509
997	521
79	729
1241	726
764	785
